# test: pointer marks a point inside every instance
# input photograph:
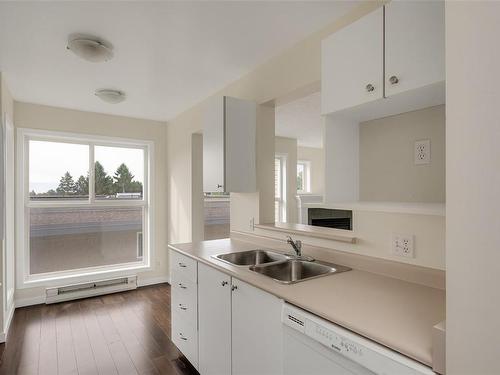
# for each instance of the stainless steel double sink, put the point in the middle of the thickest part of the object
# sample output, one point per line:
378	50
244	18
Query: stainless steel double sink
283	268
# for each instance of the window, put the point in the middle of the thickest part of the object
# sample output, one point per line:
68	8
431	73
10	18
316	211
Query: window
86	204
280	188
303	177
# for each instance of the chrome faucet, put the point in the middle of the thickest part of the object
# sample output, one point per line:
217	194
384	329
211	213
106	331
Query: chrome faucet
297	245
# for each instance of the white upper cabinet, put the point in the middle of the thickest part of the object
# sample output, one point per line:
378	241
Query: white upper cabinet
398	48
213	146
229	154
352	64
414	45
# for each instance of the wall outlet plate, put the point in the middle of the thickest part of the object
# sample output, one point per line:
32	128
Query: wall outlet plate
403	245
422	152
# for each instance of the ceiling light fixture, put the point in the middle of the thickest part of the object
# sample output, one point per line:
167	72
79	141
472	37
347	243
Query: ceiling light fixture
110	96
90	48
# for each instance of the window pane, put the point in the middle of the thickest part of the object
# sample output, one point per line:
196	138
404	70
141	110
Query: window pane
119	173
58	170
71	238
277	178
300	177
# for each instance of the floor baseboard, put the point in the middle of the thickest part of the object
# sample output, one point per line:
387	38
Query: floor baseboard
153	280
10	315
24	302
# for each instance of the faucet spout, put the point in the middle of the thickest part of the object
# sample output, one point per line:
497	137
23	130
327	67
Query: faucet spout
296	245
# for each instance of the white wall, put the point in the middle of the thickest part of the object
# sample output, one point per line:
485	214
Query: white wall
472	187
66	120
292	70
387	171
374	231
288	147
341	161
316	156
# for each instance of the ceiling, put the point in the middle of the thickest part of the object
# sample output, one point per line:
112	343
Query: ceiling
168	55
301	119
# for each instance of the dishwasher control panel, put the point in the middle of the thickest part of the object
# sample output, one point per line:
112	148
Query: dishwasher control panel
332	339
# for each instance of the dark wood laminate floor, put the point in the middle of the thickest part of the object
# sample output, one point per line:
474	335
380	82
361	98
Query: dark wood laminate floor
122	333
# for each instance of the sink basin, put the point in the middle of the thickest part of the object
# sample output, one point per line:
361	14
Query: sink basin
251	257
293	270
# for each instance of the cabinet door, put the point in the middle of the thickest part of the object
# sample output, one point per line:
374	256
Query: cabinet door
214	317
352	59
414	45
256	331
213	145
241	126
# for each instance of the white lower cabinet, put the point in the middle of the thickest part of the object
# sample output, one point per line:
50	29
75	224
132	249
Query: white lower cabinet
257	346
184	306
214	307
239	327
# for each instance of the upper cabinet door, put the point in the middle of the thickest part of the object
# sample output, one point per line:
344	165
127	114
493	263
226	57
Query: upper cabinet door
352	64
213	145
229	145
414	45
241	128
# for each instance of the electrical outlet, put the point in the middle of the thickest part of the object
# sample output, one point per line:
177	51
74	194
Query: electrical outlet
422	152
402	245
252	224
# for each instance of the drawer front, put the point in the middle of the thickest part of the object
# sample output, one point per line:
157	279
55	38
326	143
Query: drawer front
184	266
184	300
185	337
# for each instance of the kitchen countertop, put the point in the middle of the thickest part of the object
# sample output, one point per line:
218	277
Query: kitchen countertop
392	312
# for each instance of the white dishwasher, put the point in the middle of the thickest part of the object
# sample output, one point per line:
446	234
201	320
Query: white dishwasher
314	346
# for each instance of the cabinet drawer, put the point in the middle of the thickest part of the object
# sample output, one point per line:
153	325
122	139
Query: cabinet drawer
183	285
185	337
184	302
184	266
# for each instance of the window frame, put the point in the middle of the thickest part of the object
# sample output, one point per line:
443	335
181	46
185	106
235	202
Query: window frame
24	204
282	200
307	176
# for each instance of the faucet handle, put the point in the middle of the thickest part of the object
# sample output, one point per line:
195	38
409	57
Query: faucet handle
298	243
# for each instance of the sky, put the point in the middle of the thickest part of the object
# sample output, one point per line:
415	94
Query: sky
48	161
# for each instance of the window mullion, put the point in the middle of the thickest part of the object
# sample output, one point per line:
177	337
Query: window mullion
91	174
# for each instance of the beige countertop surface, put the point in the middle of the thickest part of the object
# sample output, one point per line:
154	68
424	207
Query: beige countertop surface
392	312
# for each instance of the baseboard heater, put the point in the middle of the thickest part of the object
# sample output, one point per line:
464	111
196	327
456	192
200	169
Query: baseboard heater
89	289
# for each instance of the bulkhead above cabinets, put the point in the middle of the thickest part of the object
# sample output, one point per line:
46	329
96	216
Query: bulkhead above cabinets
229	145
392	59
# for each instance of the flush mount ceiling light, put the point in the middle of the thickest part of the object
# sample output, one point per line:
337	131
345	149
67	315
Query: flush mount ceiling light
110	96
90	48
